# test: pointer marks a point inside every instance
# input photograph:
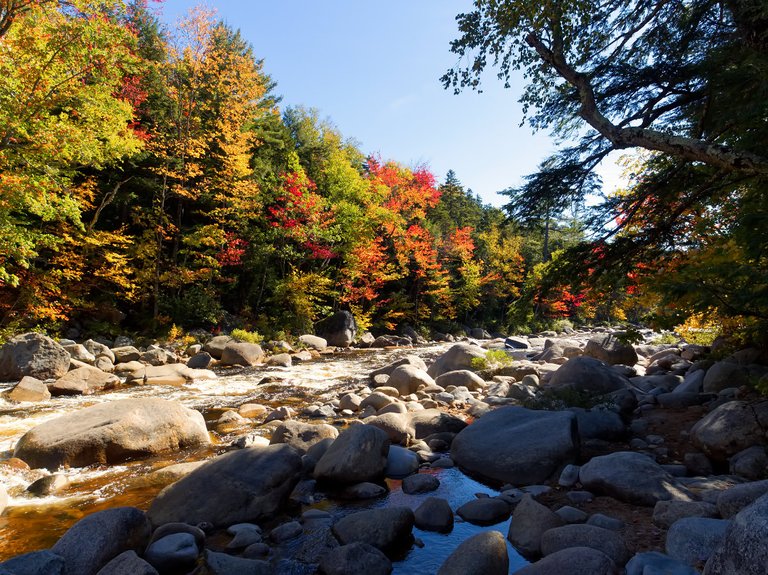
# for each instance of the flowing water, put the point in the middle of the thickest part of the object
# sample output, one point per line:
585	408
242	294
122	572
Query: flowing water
30	523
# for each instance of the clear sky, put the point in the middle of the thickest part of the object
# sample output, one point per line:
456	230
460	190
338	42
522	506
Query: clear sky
373	69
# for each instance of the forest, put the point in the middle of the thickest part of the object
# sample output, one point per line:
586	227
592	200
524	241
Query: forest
150	180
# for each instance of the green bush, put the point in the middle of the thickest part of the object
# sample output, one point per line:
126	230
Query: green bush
246	336
493	359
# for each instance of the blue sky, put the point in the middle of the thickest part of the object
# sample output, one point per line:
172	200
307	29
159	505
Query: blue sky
373	69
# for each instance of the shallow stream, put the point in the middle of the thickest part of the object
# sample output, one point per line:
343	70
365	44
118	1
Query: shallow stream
30	523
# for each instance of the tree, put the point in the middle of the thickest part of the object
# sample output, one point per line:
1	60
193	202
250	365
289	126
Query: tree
685	81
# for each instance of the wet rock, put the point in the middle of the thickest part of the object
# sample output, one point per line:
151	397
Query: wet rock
200	360
358	454
242	353
458	357
744	550
434	514
280	414
588	375
484	511
239	486
84	381
407	379
170	374
34	563
48	485
420	483
286	532
609	349
30	389
302	436
173	528
363	490
401	462
665	513
631	477
608	542
517	445
482	554
127	563
693	539
354	559
112	432
245	535
733	500
252	410
338	330
223	564
461	377
32	354
572	561
529	522
95	540
655	563
731	428
381	528
175	552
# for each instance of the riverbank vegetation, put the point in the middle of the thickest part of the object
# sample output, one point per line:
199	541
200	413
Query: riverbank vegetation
150	181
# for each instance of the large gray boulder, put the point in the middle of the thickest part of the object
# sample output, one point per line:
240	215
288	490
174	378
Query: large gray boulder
482	554
32	354
693	539
355	558
517	445
588	375
529	522
609	542
35	563
631	477
127	563
242	353
380	528
301	436
724	374
96	539
731	428
358	454
215	346
246	485
111	433
338	330
430	421
744	550
413	360
459	356
407	379
468	379
30	389
609	349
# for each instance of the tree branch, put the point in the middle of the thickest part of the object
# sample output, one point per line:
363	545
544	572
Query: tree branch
682	147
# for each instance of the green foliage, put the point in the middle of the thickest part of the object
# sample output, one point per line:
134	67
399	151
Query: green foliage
247	336
492	360
666	338
630	336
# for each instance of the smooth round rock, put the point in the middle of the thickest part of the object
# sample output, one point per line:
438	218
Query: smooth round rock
482	554
434	514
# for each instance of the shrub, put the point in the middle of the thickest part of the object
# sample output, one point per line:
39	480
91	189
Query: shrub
246	336
493	359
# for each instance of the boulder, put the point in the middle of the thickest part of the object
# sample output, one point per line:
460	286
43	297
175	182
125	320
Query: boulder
731	428
434	514
223	564
99	349
302	436
34	563
459	356
401	462
355	558
173	552
98	538
78	352
693	539
420	483
170	374
125	353
655	563
242	353
84	381
733	500
517	445
631	477
430	421
407	379
358	454
313	342
200	360
30	389
461	377
338	330
127	563
752	463
604	540
32	354
413	360
111	433
395	425
744	550
381	528
665	513
246	485
215	346
481	554
609	349
601	424
588	375
572	561
724	374
484	511
529	522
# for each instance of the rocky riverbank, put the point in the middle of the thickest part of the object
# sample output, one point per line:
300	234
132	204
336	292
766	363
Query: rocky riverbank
597	457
